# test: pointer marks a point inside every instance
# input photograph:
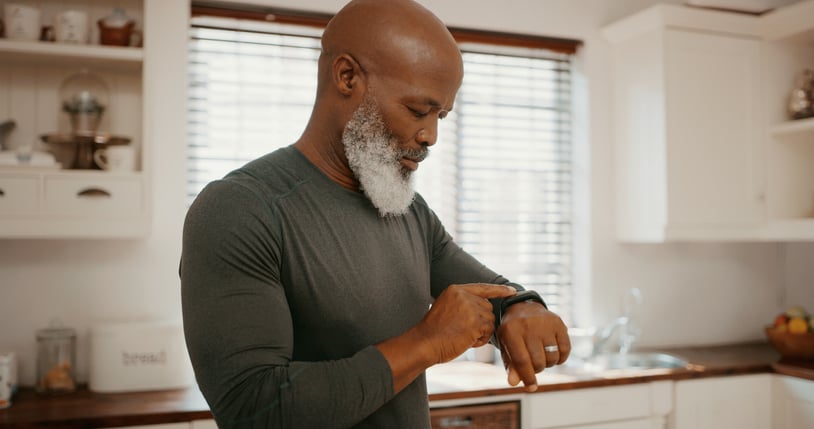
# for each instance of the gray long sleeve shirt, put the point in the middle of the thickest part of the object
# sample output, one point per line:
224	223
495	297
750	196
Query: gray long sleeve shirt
288	280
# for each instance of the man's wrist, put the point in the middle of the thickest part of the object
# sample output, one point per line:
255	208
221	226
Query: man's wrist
521	296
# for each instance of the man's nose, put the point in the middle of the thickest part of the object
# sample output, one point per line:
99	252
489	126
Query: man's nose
428	135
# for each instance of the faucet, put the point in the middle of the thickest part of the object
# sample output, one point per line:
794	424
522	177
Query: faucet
624	324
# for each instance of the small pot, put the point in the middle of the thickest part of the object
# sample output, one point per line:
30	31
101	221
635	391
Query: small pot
116	36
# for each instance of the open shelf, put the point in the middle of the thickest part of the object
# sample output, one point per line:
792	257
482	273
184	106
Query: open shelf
52	53
791	229
792	128
791	23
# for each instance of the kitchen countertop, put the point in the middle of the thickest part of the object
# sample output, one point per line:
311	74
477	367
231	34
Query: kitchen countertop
455	380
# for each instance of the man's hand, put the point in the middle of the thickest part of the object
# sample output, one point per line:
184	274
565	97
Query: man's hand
460	318
528	335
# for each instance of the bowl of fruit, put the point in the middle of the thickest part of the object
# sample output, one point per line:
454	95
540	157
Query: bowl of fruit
792	334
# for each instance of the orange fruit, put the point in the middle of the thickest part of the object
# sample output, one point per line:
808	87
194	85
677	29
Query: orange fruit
798	325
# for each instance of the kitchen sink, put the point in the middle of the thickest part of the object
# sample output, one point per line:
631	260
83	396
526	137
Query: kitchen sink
621	361
635	361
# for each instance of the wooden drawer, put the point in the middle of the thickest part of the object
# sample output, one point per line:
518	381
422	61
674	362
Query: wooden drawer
98	197
18	195
505	415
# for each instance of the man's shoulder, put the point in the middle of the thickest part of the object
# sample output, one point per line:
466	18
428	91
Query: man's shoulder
273	175
261	182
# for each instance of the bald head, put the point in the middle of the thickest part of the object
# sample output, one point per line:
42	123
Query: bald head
390	70
391	36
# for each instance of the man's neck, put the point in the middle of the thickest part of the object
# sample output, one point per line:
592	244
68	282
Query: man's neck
330	161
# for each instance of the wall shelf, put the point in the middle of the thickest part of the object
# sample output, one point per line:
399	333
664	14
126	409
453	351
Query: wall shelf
51	53
791	128
39	203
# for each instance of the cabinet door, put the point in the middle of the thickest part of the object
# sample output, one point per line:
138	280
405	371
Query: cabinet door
204	424
793	403
713	130
588	406
742	402
504	415
625	424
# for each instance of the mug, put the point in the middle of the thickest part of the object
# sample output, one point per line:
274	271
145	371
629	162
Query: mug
22	22
116	158
71	26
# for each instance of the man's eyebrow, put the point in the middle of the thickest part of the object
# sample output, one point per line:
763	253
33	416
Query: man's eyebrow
436	104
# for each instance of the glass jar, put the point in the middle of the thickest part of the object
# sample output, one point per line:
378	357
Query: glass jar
56	359
84	97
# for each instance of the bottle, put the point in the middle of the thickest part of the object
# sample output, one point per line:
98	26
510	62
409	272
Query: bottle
56	358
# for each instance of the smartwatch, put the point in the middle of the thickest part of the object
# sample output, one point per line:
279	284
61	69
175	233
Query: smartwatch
521	296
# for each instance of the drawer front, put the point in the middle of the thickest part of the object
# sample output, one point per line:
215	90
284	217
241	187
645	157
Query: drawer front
585	406
120	196
18	195
483	416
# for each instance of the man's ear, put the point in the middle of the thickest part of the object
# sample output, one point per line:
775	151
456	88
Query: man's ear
347	74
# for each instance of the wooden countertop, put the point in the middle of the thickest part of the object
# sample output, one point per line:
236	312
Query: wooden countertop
457	380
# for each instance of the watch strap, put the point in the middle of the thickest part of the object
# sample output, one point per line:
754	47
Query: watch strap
521	296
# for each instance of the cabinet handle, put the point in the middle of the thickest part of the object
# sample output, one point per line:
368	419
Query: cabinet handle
456	422
2	193
93	193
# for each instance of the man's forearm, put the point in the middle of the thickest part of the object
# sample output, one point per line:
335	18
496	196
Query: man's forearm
409	355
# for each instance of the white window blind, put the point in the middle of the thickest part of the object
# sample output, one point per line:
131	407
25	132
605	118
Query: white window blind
499	177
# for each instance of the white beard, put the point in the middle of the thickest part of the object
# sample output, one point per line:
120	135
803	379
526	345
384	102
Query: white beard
373	155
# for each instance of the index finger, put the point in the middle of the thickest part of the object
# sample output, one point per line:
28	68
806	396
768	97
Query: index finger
485	290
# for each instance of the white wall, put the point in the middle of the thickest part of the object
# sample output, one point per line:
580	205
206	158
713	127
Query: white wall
694	293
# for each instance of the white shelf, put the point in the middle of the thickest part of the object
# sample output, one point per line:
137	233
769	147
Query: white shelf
52	53
791	23
796	127
791	229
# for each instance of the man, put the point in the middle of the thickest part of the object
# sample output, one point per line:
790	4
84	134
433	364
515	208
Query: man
308	273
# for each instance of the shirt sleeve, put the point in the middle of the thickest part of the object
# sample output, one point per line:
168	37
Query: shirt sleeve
453	265
239	331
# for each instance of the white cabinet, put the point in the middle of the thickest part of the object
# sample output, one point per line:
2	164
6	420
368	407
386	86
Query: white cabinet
695	93
793	402
743	402
789	48
635	406
52	203
72	205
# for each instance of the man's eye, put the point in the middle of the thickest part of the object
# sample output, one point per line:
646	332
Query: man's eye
418	113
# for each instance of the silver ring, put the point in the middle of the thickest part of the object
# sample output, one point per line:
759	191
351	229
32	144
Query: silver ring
551	349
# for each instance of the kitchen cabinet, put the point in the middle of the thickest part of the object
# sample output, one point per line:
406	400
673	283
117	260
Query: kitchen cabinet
793	402
501	415
635	406
789	48
743	402
701	150
63	203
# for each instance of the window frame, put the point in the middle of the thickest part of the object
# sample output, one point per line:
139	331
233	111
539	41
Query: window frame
580	238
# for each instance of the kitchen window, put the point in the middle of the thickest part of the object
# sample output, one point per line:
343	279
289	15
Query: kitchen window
499	177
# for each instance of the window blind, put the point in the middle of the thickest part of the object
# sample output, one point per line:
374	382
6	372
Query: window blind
499	177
